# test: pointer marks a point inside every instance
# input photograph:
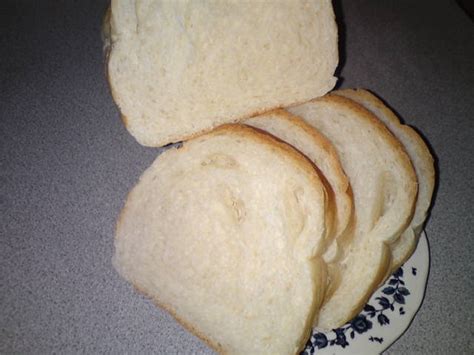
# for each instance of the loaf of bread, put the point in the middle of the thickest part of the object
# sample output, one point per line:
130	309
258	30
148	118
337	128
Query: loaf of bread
422	161
227	233
384	188
179	68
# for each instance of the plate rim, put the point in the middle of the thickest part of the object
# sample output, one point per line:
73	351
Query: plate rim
420	264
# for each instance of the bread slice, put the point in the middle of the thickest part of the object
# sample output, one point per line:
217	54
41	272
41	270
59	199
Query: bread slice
306	139
179	68
384	188
226	234
422	162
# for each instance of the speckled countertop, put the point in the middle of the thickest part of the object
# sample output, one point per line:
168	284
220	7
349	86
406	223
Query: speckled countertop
67	163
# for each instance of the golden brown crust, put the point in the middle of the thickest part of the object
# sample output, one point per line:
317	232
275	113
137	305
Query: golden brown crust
124	120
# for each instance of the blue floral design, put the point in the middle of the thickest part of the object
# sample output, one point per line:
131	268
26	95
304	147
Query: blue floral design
394	295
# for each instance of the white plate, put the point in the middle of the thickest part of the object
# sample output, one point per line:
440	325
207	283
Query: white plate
386	316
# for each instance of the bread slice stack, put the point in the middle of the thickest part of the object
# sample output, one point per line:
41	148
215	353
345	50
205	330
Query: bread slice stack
287	206
384	188
423	164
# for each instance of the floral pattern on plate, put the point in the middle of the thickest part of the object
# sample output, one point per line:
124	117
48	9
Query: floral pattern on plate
385	317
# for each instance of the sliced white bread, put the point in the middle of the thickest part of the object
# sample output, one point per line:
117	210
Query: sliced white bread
306	139
422	161
384	190
226	234
179	68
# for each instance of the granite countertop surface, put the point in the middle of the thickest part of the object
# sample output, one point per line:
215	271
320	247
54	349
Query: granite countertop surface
67	163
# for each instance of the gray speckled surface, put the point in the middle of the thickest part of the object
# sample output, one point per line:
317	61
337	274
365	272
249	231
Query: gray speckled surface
67	163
